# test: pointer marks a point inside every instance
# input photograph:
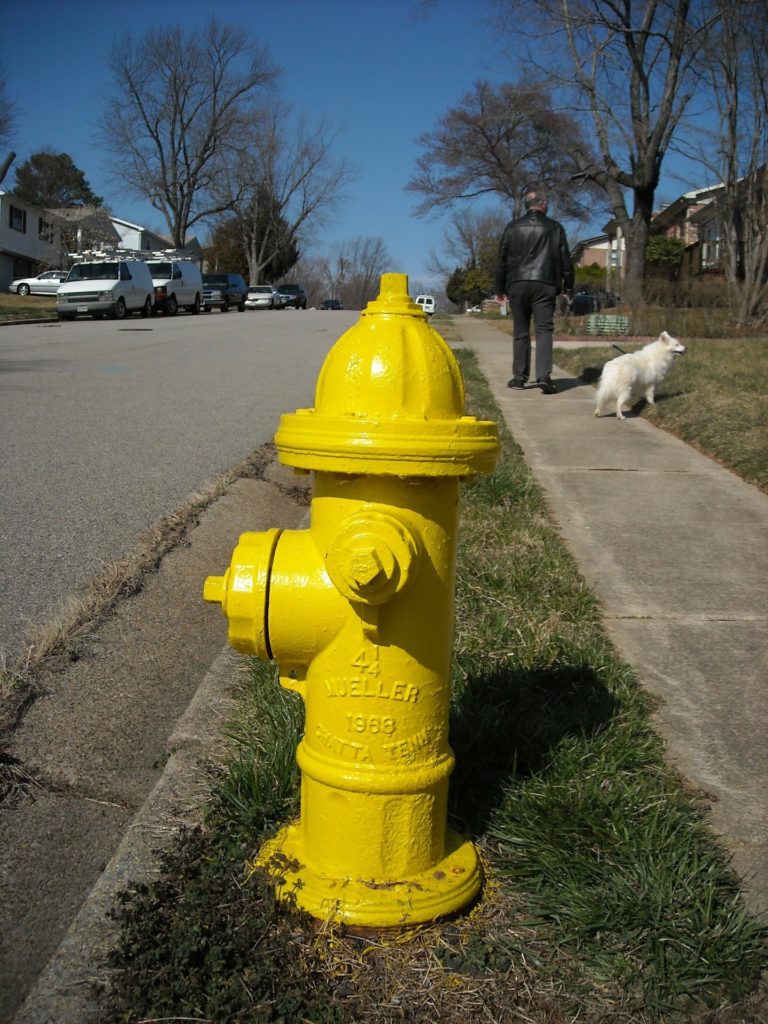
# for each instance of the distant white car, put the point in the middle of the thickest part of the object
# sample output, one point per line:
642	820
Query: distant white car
427	303
46	283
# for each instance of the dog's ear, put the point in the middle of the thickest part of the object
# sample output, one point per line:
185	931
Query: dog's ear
664	337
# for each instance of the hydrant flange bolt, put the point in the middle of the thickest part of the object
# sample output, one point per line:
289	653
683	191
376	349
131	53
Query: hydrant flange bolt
371	557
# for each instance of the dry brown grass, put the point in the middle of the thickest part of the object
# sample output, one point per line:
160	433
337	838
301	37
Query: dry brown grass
30	307
422	975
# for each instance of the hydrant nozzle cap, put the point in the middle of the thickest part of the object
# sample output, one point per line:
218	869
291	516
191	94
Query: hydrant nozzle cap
389	400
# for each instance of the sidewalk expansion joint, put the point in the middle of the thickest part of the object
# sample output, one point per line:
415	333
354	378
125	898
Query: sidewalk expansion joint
631	469
693	619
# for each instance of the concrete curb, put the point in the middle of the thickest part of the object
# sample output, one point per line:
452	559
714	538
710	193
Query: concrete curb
64	991
36	320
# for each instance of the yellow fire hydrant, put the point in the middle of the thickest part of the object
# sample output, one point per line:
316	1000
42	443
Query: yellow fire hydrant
358	613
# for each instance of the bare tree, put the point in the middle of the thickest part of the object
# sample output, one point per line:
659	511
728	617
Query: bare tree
7	123
285	183
352	270
498	141
471	239
632	77
180	109
738	70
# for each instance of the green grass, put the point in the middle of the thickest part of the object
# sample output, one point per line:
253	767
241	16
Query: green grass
715	398
608	899
30	307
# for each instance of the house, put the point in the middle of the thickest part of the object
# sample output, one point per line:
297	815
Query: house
83	227
607	250
685	218
592	250
134	236
678	219
29	239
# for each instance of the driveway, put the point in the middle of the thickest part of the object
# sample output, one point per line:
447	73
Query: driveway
109	425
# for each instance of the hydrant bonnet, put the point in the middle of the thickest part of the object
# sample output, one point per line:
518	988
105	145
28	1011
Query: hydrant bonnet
389	400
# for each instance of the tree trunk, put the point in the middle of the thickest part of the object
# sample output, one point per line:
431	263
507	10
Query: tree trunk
6	165
636	241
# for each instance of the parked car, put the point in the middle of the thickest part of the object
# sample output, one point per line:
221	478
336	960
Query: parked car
427	303
294	295
46	283
224	290
178	283
584	301
115	287
608	300
331	304
264	296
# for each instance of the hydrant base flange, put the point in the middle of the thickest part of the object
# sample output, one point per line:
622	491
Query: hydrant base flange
447	887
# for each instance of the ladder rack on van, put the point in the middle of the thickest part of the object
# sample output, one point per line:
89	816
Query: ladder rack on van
132	254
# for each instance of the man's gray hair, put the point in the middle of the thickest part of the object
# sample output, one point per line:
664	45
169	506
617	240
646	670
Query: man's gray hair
534	197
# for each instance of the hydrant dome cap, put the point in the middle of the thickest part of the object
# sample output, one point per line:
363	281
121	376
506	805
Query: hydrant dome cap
390	393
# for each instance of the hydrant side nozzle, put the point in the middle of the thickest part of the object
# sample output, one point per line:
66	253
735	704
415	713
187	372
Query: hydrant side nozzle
243	592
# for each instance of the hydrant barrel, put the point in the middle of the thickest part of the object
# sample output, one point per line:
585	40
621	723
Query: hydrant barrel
358	613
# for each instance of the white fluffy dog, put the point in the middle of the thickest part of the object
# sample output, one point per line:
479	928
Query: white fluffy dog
636	373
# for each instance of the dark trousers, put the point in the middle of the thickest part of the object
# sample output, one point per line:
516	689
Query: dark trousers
532	299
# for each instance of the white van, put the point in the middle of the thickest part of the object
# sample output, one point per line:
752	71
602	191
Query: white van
427	303
111	286
177	283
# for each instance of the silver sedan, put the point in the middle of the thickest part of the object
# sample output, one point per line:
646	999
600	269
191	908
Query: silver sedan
44	284
264	296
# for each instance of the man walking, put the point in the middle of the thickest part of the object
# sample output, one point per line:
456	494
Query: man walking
532	268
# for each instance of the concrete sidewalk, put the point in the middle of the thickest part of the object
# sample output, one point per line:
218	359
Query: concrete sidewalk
676	549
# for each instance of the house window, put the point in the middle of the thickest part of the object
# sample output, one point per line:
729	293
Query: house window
44	230
711	254
17	219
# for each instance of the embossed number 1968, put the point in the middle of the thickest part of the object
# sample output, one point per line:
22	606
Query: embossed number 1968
371	723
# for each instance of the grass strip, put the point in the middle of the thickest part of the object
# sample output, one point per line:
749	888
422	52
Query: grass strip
26	307
715	398
607	899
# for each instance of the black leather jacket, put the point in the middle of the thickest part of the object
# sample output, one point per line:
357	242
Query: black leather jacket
534	248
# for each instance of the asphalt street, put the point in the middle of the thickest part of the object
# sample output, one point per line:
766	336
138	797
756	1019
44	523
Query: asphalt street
109	425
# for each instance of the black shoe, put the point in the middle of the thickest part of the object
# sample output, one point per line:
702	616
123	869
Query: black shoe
547	385
518	383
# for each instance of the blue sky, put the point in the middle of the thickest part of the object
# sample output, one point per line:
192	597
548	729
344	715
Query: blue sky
381	72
